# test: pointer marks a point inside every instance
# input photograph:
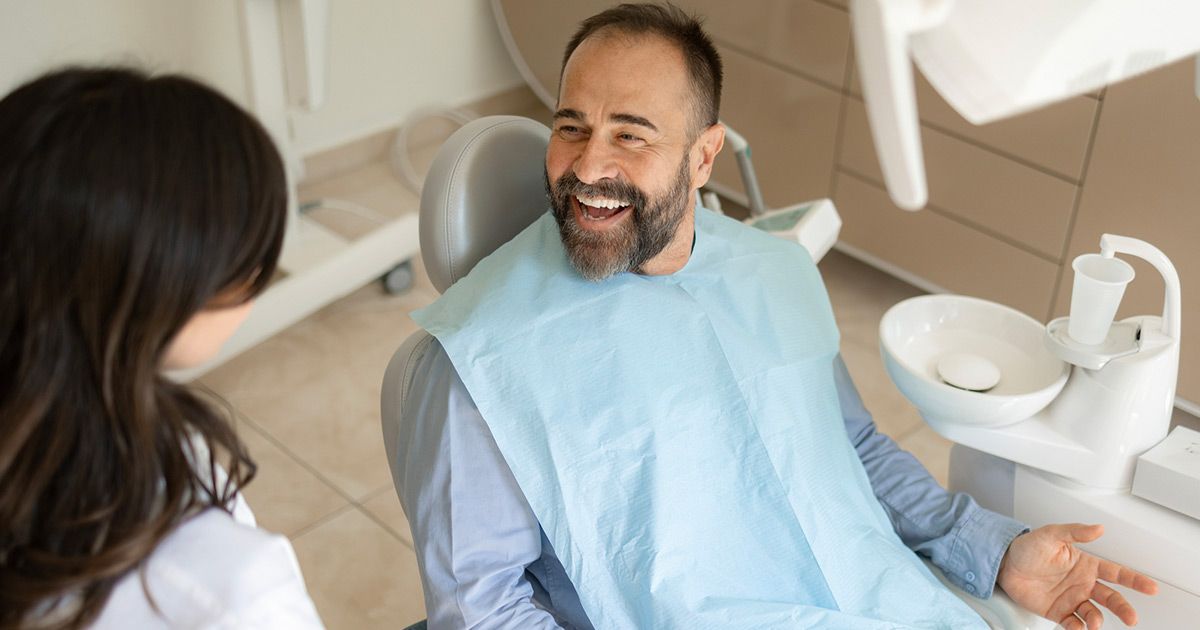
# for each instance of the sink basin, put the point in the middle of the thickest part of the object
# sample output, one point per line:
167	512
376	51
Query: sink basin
919	332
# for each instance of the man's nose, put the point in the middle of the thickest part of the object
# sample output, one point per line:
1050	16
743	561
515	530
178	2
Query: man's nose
596	162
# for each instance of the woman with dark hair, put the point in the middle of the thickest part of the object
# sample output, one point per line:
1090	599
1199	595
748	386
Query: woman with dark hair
139	218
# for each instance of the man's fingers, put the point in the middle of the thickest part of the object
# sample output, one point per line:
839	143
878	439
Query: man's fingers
1091	615
1115	602
1117	574
1081	533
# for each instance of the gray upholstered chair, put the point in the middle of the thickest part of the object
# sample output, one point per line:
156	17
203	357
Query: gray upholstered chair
486	184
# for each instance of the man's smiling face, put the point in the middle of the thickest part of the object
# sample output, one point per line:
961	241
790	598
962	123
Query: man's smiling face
620	167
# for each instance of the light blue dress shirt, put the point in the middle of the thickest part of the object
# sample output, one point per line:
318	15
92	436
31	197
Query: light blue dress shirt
485	562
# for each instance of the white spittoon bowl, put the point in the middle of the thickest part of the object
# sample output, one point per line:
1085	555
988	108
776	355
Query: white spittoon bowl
920	333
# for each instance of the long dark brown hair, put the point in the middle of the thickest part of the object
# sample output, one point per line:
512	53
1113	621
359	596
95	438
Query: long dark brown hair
128	204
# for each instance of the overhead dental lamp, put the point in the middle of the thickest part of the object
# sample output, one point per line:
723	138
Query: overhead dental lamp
992	59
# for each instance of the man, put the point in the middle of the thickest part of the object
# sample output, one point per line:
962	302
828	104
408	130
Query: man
635	415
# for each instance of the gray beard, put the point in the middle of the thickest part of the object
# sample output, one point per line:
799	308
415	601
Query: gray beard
627	247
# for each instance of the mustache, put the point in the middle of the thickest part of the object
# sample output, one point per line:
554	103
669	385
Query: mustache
568	185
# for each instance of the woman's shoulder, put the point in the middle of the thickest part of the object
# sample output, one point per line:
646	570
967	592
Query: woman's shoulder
215	571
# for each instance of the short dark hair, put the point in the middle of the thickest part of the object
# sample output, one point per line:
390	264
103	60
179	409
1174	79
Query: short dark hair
672	23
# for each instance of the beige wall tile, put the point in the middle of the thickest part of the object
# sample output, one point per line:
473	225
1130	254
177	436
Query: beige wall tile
541	30
803	35
286	497
1001	195
942	250
1144	181
791	124
1054	137
360	575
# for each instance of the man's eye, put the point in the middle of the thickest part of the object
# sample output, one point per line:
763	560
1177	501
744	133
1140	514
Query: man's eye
628	137
569	130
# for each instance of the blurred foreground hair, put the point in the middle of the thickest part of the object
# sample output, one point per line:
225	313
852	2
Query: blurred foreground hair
128	204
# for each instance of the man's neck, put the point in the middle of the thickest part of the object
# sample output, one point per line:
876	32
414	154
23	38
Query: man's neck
677	253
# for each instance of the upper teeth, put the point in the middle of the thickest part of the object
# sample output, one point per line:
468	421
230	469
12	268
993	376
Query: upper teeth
601	202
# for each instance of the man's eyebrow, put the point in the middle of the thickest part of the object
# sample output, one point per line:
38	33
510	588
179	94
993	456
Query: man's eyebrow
568	113
633	119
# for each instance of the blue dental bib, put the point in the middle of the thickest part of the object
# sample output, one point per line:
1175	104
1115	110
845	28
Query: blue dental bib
679	437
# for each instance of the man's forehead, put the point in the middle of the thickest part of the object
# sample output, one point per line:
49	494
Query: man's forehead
635	75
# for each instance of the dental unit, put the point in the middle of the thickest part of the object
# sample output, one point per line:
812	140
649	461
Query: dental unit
1067	421
1073	425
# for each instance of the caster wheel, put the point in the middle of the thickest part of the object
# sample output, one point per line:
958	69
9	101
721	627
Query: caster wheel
399	279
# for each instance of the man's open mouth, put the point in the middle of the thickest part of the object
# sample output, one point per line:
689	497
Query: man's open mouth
600	209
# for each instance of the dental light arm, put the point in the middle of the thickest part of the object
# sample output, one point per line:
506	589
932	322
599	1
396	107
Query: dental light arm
882	29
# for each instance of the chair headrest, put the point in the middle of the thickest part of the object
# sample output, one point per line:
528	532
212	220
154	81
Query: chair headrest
486	184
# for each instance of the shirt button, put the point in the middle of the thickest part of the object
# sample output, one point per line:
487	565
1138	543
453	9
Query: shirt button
970	576
971	589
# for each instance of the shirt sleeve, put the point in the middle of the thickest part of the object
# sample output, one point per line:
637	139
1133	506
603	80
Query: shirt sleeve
964	540
473	531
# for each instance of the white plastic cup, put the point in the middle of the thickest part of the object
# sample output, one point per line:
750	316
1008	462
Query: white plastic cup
1097	292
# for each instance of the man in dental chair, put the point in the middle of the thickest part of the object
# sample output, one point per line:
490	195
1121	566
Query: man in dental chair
635	414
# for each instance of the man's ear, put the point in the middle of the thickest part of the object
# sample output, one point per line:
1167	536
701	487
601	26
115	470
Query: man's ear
704	153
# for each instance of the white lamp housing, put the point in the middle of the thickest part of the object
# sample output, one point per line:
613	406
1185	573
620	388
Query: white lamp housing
992	59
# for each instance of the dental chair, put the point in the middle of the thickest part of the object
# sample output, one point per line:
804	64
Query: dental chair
486	184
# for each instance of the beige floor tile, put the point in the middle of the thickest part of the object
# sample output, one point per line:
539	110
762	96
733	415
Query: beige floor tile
286	497
369	325
930	449
334	427
278	366
860	296
360	575
385	506
315	386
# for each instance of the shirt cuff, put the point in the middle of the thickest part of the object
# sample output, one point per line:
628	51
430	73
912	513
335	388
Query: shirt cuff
979	546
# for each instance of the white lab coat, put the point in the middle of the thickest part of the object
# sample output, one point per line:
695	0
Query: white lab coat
215	571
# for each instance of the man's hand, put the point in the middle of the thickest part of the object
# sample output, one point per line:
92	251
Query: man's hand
1044	572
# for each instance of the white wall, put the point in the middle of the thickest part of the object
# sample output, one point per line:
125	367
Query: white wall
386	57
390	57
